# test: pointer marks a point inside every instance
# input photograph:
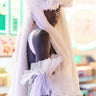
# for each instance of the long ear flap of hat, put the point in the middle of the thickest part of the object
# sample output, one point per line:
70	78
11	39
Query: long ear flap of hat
63	32
20	63
36	13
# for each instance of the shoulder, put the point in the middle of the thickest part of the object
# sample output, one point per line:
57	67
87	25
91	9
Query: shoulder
39	33
42	32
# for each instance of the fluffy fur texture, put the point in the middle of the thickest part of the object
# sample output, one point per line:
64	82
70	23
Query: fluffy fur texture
34	11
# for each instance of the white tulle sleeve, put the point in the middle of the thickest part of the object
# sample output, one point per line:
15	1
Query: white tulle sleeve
44	67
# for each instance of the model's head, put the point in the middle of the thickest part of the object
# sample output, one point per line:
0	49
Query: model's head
52	16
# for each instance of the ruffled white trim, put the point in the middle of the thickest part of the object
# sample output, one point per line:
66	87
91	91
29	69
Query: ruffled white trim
39	77
43	67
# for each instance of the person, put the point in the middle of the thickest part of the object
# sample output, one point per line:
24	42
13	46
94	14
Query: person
43	59
41	40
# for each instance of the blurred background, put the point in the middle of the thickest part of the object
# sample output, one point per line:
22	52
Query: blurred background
81	19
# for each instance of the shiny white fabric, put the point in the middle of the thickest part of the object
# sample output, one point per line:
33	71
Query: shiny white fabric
30	40
60	39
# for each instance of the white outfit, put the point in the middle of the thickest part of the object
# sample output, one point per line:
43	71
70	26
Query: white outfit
65	80
40	79
40	75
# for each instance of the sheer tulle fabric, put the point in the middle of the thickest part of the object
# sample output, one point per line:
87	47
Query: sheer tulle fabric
40	76
60	40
